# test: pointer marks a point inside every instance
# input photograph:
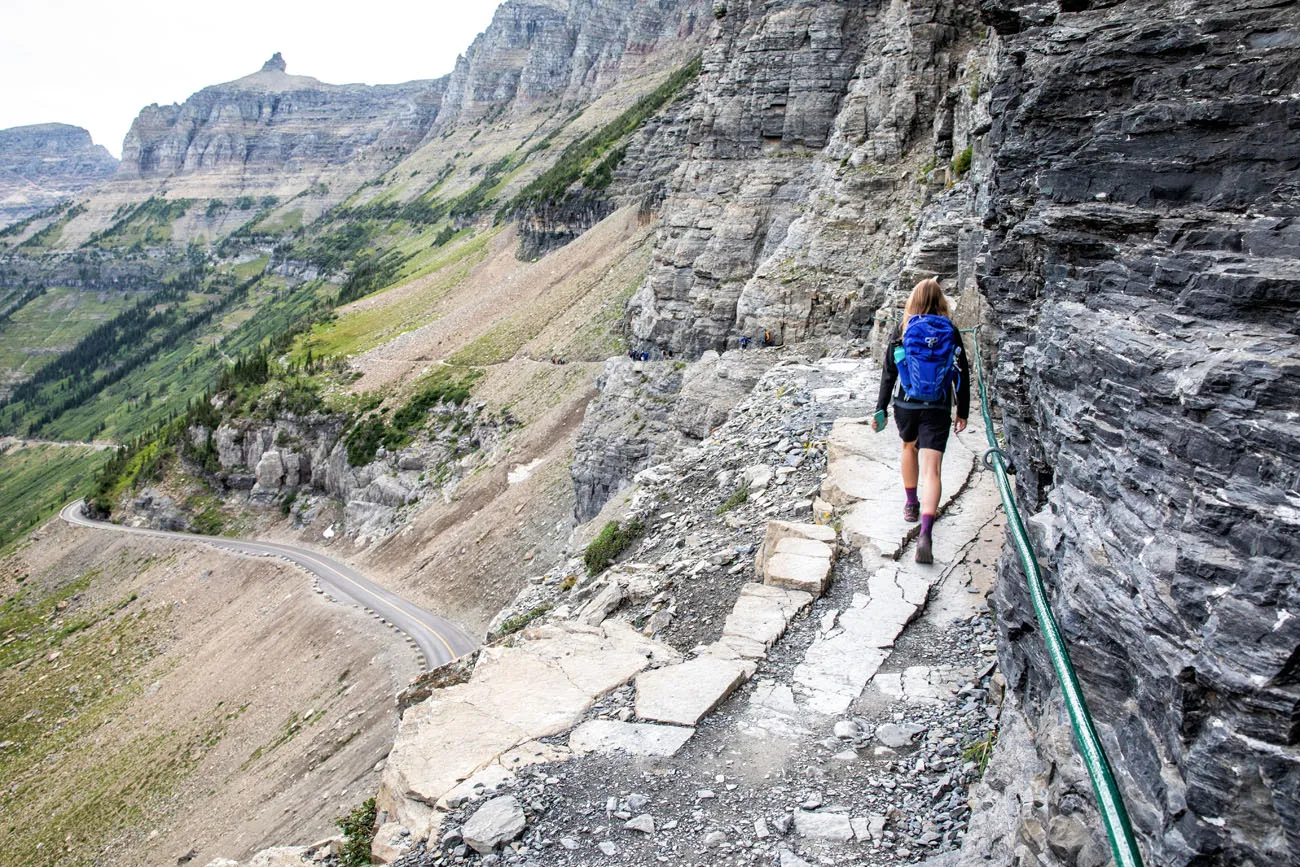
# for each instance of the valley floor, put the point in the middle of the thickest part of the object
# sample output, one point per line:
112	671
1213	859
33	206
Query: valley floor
162	702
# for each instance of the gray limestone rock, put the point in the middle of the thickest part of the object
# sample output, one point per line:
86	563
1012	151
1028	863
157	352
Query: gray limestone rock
41	164
647	411
896	736
682	694
1140	263
498	821
634	739
272	121
825	827
792	211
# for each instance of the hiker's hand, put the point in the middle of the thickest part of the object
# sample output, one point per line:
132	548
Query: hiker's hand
959	425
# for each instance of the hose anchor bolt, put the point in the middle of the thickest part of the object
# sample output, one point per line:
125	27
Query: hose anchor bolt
1007	464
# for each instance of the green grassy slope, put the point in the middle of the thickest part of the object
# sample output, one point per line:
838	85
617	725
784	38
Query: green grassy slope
36	332
37	480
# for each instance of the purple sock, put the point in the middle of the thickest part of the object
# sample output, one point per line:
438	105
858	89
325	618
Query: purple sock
927	524
912	499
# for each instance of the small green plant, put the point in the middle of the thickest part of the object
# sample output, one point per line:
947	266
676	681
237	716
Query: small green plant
286	505
961	163
511	625
209	521
981	751
613	540
738	497
358	829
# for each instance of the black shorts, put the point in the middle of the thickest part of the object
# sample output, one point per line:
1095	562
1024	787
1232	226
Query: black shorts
928	428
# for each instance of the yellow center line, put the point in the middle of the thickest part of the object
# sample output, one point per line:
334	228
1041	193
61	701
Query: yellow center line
374	595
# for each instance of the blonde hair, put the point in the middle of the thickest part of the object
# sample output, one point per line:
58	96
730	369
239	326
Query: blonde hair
927	298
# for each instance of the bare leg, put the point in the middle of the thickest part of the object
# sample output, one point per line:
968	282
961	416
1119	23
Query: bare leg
911	470
931	461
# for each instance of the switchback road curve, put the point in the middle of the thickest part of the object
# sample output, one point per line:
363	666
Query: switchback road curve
437	638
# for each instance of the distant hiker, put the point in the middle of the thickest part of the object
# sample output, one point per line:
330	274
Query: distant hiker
631	353
767	338
925	358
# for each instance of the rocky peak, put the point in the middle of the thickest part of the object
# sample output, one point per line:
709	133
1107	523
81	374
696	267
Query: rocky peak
271	123
43	163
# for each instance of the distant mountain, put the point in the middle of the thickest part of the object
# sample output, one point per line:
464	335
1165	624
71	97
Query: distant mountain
272	122
46	162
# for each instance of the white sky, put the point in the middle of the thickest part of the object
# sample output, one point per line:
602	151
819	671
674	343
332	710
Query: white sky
95	64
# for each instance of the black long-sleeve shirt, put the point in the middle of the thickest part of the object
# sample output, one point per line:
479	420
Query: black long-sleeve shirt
890	378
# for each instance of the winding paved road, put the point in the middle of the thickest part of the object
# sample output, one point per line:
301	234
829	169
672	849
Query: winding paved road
438	638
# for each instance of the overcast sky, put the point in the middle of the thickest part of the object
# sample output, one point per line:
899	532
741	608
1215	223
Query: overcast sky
95	64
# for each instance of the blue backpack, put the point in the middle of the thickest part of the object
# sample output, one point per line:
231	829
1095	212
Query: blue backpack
927	360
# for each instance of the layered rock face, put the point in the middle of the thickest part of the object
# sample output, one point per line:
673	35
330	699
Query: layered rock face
1142	246
812	125
308	455
271	123
565	54
648	411
44	163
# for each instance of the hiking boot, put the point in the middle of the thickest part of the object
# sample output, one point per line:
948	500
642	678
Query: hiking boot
911	512
924	549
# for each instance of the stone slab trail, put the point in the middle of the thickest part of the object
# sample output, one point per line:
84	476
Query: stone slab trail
766	725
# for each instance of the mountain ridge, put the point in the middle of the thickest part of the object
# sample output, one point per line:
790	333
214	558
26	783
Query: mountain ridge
42	164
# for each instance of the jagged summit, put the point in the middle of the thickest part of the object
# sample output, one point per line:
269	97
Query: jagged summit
269	122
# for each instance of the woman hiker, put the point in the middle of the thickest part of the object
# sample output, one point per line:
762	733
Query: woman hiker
926	361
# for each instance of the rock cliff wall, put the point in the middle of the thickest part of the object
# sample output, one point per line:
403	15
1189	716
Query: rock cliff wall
819	133
306	457
1112	186
648	410
562	55
271	123
1141	251
44	163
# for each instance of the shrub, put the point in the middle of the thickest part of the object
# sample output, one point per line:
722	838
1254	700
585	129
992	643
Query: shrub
364	441
981	751
358	829
738	497
961	163
613	540
512	625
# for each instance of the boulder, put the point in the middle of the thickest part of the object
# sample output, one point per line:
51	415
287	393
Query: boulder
498	821
823	827
683	694
391	841
634	739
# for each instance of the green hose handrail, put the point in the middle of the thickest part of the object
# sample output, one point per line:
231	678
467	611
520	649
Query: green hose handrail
1119	830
